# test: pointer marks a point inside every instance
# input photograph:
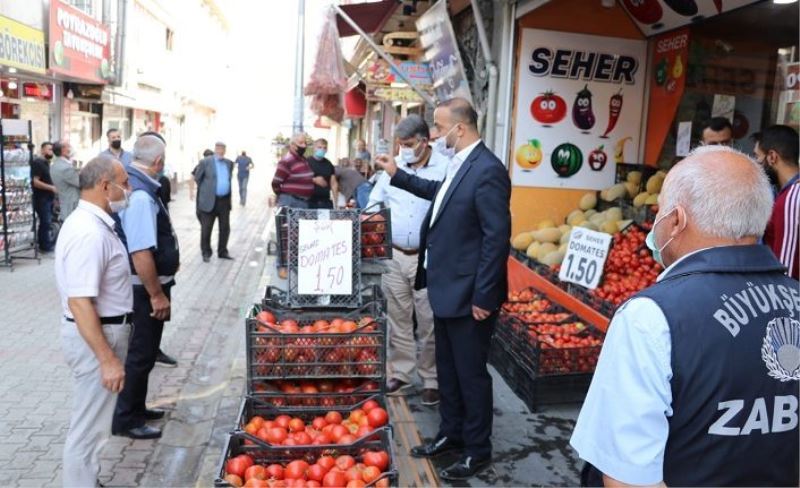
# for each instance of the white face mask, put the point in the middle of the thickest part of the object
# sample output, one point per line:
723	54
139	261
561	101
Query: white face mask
440	145
120	205
408	155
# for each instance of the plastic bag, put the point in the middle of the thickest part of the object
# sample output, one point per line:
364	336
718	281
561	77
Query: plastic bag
328	76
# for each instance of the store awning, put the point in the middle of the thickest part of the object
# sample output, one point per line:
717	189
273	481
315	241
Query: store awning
369	16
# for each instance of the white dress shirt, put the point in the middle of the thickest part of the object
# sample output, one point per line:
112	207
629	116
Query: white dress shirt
92	262
408	211
622	428
452	169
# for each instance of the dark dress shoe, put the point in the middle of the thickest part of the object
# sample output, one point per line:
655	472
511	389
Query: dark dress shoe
465	468
226	256
206	259
435	448
165	360
398	388
154	414
430	397
143	432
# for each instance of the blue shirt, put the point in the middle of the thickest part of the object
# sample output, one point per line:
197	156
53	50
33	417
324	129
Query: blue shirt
125	157
223	178
408	211
139	222
243	163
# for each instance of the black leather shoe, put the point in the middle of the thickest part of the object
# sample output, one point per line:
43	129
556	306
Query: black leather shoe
465	468
206	259
154	414
164	360
436	448
143	432
226	256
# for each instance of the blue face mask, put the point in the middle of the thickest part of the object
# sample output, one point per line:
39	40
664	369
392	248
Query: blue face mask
650	241
319	153
161	174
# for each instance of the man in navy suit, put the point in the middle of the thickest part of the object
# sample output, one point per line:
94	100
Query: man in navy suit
464	245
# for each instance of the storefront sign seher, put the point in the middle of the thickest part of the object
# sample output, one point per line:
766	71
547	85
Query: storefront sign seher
441	52
21	47
80	46
586	256
325	257
655	16
379	93
579	109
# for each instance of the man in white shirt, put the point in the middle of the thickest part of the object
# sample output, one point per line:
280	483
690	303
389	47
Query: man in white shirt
93	277
408	212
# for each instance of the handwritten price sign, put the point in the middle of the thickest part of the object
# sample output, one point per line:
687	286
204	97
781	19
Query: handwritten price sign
586	256
325	257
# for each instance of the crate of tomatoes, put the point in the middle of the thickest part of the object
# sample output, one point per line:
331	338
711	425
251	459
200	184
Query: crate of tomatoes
376	233
266	426
315	394
367	462
276	300
288	344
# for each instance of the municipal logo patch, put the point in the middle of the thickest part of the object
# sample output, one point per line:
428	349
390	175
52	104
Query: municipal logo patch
781	349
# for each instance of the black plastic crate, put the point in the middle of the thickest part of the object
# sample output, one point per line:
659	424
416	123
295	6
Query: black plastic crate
252	406
277	300
283	455
376	233
273	355
537	392
275	396
282	236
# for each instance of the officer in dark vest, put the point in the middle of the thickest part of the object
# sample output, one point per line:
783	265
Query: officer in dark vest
697	382
155	259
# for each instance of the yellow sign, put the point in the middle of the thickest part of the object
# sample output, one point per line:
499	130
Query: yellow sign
386	94
21	46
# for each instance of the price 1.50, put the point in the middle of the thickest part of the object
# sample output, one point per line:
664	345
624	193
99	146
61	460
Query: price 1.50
585	269
331	279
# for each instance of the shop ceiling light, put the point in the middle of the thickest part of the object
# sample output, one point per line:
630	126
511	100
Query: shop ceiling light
12	85
12	70
783	2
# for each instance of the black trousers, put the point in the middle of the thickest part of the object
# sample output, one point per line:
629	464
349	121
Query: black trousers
142	353
44	214
465	386
320	203
221	210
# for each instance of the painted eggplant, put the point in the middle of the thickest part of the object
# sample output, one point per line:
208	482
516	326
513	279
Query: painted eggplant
582	114
687	8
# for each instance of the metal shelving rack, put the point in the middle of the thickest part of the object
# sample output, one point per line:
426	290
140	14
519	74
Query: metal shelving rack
16	195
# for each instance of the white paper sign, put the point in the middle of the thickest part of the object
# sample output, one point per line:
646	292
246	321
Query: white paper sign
325	257
684	140
586	256
579	109
724	106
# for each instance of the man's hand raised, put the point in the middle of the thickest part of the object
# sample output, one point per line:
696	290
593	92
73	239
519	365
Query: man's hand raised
386	163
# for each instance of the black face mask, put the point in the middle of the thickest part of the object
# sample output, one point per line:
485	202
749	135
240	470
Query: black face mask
116	144
48	157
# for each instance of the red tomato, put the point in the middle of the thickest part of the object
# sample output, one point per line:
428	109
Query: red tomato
276	435
317	484
283	420
379	459
257	483
333	418
370	474
353	473
377	417
345	462
316	472
369	405
256	471
319	423
265	317
297	425
303	439
338	431
238	465
334	479
548	108
347	439
296	470
275	471
234	480
326	462
322	440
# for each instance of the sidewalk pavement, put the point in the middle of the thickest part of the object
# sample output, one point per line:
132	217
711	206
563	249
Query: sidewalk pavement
205	336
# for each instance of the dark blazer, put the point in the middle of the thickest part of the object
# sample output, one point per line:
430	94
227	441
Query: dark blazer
468	245
205	174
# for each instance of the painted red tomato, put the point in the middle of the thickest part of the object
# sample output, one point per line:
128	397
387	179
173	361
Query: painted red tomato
548	108
645	11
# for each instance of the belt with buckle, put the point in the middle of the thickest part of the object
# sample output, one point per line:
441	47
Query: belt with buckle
116	319
407	252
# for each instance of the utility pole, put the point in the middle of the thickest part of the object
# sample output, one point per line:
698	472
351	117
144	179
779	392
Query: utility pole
297	124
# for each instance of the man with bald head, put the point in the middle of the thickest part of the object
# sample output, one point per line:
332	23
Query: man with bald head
697	382
463	249
155	259
293	182
213	177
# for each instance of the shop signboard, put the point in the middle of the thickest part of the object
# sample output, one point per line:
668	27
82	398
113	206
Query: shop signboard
80	46
38	91
325	257
380	93
579	109
441	52
655	16
21	47
586	256
380	73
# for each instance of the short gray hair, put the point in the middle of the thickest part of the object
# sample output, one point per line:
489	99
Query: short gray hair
147	149
96	170
720	204
412	126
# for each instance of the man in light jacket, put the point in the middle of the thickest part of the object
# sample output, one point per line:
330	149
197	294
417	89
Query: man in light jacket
65	178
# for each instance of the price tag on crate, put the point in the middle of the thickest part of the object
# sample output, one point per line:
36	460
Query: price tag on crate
325	257
586	256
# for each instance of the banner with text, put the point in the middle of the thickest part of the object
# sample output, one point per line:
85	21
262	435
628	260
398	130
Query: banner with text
325	257
586	256
80	46
579	109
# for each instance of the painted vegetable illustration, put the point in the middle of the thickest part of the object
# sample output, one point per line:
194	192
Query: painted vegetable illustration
645	11
548	108
683	7
677	68
661	72
529	155
619	150
597	159
582	115
566	159
614	109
